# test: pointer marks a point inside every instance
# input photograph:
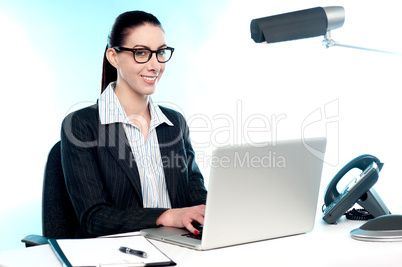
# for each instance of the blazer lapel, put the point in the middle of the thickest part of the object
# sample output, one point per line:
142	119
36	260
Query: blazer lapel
171	146
114	138
170	142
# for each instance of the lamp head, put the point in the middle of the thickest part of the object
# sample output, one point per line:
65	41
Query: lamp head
297	25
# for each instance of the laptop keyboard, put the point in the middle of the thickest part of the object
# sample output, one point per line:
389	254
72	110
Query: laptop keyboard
194	236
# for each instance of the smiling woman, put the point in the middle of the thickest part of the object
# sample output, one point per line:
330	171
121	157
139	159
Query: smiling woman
111	192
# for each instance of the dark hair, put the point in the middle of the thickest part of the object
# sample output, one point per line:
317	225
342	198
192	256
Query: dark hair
122	26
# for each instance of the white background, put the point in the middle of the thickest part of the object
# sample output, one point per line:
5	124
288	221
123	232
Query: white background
230	89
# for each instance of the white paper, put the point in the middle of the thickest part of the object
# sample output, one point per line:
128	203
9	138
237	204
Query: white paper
97	251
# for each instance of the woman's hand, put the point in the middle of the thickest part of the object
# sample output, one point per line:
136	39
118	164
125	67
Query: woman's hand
183	217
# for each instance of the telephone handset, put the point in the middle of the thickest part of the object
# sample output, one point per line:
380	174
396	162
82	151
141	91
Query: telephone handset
358	190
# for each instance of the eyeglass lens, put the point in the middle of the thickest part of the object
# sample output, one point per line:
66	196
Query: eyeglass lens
144	55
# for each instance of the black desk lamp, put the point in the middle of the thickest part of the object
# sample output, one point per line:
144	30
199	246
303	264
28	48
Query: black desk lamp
318	21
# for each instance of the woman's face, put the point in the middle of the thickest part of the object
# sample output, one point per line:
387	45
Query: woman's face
141	78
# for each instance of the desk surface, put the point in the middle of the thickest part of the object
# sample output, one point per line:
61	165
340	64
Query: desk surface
327	245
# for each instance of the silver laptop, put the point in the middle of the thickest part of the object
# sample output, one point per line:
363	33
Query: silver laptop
256	192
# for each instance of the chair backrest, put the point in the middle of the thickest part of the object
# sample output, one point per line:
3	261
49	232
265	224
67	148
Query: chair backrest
58	216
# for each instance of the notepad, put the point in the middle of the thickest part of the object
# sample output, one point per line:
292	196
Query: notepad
104	251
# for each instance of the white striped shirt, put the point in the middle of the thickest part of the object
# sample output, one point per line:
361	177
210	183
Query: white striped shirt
146	152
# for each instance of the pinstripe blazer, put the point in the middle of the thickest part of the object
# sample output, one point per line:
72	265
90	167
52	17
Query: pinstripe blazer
102	177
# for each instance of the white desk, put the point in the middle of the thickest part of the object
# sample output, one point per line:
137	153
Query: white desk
327	245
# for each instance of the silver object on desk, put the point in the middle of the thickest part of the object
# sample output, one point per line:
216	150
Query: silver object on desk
385	228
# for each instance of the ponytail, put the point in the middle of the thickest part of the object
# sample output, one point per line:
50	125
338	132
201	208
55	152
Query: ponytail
109	73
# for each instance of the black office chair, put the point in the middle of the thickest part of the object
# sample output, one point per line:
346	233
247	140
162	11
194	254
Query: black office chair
58	216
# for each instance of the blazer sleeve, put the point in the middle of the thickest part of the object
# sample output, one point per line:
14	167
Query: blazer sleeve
97	213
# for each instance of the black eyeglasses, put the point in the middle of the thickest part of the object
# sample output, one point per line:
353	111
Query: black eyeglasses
143	55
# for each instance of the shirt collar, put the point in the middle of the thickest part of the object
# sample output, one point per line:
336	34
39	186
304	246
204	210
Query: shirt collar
111	110
157	116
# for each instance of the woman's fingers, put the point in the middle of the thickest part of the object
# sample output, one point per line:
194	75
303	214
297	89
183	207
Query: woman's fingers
195	214
184	217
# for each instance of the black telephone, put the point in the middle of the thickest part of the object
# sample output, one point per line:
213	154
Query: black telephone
358	190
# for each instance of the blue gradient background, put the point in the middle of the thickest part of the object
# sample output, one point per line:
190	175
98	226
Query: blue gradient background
51	58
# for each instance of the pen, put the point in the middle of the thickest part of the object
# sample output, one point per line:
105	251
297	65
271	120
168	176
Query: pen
138	253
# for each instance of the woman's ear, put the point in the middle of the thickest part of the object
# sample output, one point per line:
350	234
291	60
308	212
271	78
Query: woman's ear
111	56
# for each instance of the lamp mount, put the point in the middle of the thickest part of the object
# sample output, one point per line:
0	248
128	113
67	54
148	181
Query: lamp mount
329	42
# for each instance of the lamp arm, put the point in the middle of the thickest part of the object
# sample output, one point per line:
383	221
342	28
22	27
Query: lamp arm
329	42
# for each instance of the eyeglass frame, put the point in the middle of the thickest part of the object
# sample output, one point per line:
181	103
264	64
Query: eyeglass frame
133	50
